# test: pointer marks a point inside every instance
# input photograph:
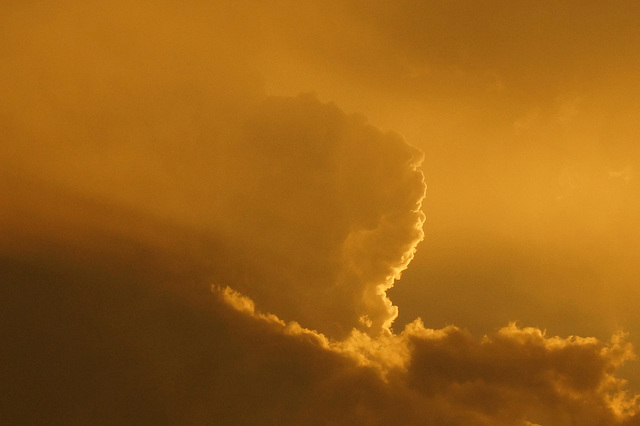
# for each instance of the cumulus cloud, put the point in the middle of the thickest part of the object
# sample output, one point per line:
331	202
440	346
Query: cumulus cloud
515	376
163	116
335	200
137	176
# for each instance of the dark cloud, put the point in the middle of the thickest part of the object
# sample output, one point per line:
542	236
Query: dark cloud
119	332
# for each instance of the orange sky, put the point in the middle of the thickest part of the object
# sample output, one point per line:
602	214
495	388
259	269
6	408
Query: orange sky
280	153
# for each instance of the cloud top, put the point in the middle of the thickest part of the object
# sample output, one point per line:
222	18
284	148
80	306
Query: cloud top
335	200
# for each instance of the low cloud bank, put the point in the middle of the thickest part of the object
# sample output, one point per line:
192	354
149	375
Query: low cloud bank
514	376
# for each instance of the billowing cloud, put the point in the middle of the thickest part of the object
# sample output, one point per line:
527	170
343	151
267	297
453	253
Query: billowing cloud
185	132
515	376
145	164
332	198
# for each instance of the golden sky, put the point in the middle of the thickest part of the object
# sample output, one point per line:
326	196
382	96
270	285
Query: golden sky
304	212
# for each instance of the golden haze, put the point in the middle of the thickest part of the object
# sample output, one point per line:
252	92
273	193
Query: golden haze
151	150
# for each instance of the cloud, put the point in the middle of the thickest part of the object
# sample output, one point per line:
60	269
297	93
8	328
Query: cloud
110	316
465	44
147	164
519	373
167	116
515	376
335	200
94	338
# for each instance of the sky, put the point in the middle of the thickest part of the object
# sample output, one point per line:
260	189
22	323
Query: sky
301	212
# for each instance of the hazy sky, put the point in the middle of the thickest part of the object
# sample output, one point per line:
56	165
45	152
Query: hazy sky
205	206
